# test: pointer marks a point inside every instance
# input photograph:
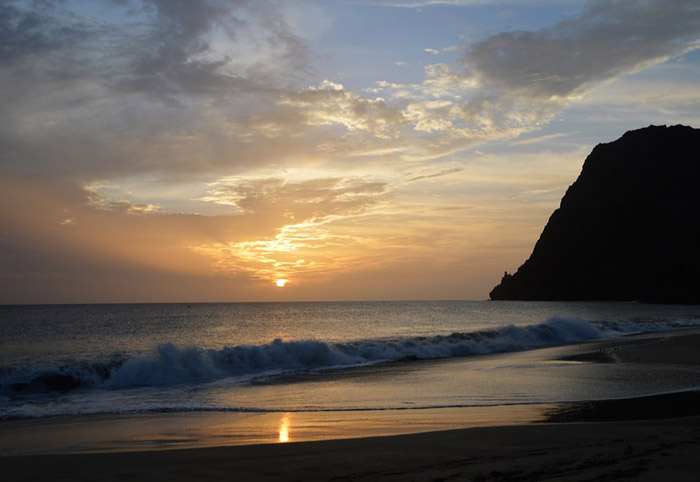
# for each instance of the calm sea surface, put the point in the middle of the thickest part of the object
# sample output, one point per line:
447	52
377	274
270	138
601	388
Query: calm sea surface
257	357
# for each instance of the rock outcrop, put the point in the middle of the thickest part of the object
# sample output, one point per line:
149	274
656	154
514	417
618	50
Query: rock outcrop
627	229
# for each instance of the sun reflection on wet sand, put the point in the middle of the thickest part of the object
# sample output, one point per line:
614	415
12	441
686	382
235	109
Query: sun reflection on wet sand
284	429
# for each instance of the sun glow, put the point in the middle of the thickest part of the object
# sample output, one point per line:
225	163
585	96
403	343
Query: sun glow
281	282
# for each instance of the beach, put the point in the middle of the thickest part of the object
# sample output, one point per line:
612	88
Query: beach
640	438
640	450
430	240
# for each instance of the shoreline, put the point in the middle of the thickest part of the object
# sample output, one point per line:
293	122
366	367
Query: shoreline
641	438
117	433
645	450
188	430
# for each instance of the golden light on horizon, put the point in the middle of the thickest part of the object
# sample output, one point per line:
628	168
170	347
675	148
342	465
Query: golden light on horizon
281	282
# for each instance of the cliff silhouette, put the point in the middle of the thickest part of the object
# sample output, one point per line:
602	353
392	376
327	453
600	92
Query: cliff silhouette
627	229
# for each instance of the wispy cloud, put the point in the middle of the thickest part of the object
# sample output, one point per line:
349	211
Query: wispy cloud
537	139
446	172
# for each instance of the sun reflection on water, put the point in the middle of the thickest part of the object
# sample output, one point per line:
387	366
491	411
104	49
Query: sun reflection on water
284	429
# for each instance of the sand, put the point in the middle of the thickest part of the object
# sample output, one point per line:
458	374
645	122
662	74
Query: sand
649	450
642	439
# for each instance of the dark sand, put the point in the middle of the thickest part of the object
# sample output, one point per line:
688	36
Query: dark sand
643	451
643	439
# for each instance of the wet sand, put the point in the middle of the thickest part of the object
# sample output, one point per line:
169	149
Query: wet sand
645	438
641	450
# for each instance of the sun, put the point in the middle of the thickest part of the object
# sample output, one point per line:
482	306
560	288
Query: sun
281	283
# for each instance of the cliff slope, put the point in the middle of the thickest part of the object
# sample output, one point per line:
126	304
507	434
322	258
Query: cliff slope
627	229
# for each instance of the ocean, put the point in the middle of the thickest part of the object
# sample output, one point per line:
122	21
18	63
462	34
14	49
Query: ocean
78	360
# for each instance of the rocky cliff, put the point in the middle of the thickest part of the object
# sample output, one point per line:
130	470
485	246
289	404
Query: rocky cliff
627	229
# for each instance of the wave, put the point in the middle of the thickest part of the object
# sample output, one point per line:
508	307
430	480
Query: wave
171	364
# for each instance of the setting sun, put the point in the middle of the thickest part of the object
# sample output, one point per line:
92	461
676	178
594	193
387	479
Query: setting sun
281	282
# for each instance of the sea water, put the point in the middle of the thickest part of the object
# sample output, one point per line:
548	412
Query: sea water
74	360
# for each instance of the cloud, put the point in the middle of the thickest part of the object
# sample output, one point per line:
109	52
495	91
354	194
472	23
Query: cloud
515	82
197	88
502	86
538	139
306	200
606	39
209	46
24	33
58	235
330	104
111	113
446	172
304	242
140	86
455	3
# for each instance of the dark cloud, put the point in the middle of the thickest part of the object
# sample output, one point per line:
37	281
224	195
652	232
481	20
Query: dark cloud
175	54
27	33
157	46
166	63
141	85
606	39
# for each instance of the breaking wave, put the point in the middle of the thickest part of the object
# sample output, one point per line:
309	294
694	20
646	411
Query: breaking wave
172	364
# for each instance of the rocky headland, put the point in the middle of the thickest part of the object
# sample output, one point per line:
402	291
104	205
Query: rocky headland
627	229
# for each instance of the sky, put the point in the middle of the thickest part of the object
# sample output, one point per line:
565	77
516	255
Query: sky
203	150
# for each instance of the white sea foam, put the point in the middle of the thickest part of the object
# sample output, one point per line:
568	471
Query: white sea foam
178	378
172	364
